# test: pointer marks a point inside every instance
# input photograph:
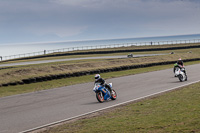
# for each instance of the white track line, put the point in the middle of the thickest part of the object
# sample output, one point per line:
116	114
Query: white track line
57	122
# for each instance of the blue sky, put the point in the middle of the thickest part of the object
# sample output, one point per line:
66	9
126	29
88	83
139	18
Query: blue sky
64	20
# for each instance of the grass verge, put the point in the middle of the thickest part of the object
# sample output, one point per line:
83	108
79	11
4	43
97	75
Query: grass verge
176	111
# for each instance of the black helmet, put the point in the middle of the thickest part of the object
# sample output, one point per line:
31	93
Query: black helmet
180	61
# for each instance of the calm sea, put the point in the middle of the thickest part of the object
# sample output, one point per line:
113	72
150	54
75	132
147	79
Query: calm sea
7	50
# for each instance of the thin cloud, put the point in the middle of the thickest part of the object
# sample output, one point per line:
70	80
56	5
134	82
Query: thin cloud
36	20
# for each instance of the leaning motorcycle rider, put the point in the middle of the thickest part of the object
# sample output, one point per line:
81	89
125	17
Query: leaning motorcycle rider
102	82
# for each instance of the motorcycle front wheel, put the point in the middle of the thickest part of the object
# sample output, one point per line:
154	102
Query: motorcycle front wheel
100	97
180	77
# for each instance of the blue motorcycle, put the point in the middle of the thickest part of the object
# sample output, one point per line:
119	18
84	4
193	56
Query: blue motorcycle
103	93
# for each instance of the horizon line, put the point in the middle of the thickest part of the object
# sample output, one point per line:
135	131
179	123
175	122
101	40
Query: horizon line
103	39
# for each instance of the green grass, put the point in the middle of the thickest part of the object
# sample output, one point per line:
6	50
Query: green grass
176	111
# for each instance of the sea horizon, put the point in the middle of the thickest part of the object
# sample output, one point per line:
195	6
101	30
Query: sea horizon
22	48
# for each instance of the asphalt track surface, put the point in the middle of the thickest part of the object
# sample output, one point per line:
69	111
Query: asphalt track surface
27	111
71	59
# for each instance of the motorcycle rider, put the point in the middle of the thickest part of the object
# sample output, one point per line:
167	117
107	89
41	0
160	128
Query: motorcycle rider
179	64
102	82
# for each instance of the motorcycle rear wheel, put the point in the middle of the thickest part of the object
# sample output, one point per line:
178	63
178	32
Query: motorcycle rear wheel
185	77
113	95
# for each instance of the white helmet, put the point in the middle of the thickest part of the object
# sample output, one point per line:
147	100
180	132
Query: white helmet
97	76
